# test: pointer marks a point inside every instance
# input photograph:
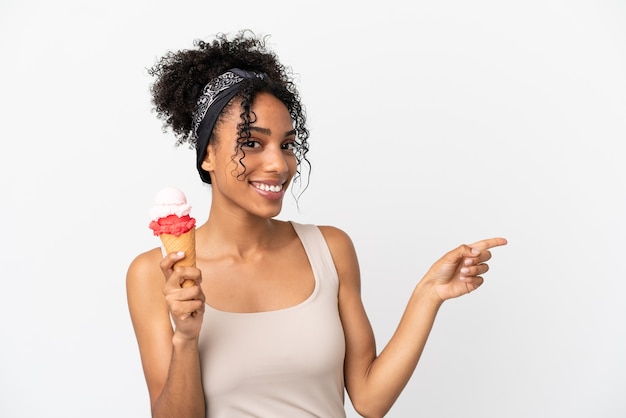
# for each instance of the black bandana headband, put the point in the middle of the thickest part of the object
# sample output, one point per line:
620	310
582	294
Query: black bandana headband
215	96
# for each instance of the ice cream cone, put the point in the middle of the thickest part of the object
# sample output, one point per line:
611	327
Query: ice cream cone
171	222
185	242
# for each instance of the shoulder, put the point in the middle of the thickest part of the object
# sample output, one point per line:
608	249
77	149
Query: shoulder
144	271
145	263
340	247
334	236
342	251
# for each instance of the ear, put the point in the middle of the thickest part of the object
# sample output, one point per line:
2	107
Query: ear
208	164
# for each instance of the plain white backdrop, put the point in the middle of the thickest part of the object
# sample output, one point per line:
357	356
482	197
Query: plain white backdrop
432	124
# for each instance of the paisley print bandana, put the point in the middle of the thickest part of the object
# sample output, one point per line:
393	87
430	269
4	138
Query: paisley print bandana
215	96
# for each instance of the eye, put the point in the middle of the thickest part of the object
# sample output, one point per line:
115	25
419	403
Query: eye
289	146
251	144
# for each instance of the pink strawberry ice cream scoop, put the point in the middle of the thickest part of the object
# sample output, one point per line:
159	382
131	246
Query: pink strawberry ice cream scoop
170	213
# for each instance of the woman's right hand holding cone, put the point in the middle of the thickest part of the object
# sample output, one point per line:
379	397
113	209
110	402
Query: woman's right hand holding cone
186	304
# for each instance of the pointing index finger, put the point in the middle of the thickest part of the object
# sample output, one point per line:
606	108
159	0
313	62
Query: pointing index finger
488	243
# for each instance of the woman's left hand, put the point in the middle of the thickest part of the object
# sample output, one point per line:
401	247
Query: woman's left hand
459	271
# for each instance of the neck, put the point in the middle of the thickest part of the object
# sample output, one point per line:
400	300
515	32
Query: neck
234	234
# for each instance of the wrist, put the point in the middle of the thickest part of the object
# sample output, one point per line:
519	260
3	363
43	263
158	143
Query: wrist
183	342
426	293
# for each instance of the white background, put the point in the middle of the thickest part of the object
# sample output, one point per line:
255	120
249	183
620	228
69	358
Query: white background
433	124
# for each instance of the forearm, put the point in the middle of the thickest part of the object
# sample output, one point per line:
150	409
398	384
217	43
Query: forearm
182	395
391	370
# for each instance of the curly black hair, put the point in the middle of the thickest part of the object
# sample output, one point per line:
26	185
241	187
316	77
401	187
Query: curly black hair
182	75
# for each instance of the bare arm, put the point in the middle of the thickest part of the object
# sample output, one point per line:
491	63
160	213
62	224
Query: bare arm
375	382
170	358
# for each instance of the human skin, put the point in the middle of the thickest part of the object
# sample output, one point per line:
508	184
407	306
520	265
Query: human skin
248	262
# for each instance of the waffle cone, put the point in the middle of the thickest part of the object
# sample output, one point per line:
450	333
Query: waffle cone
185	242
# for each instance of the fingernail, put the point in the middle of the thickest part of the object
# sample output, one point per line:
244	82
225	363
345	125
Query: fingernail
463	278
180	253
475	251
468	262
465	270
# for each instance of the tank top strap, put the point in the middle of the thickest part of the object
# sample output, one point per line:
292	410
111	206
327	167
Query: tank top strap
318	252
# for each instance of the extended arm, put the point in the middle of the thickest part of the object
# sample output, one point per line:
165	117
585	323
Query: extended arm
373	381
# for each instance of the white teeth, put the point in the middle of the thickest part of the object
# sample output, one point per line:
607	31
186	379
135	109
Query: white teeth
270	188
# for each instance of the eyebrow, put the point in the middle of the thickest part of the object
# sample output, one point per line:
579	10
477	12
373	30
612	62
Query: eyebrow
266	131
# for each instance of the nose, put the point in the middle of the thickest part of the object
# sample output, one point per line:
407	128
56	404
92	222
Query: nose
275	160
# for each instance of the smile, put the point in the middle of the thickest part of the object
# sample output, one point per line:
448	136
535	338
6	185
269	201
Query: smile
269	188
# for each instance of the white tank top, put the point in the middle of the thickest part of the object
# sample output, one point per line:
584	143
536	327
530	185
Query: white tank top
286	363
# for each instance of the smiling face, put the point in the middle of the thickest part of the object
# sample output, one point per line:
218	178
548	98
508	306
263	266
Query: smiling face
256	177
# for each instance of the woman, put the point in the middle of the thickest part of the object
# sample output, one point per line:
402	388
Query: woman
274	325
